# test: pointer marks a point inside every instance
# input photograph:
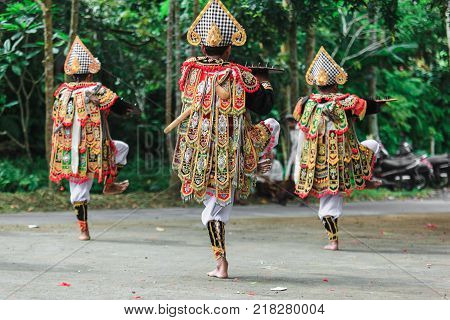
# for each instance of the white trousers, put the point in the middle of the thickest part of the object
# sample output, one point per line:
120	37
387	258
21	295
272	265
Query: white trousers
81	191
332	205
214	211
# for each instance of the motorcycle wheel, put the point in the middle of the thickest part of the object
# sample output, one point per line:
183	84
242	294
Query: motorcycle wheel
420	181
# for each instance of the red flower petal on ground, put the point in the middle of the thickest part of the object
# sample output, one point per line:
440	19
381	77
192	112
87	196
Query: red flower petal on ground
64	284
325	280
136	297
251	293
431	226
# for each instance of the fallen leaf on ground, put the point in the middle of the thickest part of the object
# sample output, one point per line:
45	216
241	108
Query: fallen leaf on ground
278	289
64	284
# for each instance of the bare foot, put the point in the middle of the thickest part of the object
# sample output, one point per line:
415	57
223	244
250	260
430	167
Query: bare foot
221	271
333	246
84	231
84	236
116	187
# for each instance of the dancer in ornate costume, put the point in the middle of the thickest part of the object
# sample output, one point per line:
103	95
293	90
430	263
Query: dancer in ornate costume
218	150
82	148
330	162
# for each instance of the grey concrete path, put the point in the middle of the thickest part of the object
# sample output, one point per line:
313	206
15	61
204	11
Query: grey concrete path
391	250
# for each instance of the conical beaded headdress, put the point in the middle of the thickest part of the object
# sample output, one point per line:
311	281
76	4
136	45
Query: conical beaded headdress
216	27
80	60
324	71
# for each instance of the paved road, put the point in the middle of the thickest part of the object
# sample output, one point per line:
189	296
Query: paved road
391	250
269	210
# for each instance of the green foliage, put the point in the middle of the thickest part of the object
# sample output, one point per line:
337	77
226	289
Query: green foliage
23	175
13	178
19	22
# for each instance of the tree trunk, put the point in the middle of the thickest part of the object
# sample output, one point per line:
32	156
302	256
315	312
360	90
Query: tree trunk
169	74
293	62
74	15
196	11
177	56
310	49
373	119
447	26
46	6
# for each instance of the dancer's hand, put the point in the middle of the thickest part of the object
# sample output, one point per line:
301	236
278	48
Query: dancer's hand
264	166
330	115
94	99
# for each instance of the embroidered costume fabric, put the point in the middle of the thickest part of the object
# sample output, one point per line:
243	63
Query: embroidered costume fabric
217	146
332	160
81	145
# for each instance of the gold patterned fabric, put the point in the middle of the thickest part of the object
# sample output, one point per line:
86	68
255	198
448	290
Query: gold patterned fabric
95	152
332	160
217	146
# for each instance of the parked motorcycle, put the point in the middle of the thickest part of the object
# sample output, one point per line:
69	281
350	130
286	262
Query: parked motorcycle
403	171
440	165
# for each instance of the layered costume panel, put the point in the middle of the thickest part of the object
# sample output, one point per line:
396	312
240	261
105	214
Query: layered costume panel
82	148
217	145
330	159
